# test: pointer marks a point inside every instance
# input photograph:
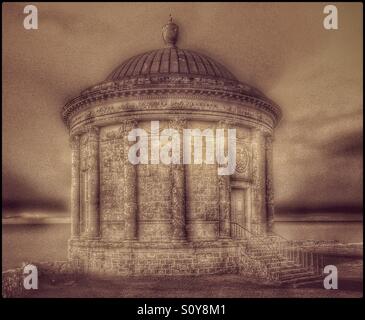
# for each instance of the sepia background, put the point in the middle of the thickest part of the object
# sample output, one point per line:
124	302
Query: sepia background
315	75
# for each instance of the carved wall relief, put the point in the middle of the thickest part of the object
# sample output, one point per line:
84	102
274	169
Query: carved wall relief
202	208
242	159
178	187
202	204
154	197
112	182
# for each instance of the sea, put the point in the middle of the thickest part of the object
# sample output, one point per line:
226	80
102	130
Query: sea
30	242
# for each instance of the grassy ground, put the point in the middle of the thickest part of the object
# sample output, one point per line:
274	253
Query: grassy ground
212	286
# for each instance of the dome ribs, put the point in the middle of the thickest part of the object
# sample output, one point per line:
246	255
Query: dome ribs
200	66
207	65
124	68
148	63
193	68
155	67
186	61
174	61
140	64
131	67
226	73
215	70
165	61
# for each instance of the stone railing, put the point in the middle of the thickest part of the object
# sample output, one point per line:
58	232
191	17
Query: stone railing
290	250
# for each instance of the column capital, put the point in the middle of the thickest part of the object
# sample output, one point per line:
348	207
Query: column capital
226	123
178	123
92	130
269	143
258	131
129	124
74	141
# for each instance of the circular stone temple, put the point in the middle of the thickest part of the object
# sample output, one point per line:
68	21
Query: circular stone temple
167	218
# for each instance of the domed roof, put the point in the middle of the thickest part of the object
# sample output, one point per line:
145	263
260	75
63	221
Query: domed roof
172	71
171	60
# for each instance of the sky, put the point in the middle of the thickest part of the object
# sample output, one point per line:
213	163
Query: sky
314	74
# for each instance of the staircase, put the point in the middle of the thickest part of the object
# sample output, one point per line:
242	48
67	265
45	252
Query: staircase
285	263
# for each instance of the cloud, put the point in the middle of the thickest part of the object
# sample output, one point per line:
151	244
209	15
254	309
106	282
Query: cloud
349	145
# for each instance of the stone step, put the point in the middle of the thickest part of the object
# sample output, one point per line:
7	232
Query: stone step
268	256
261	241
297	280
287	269
316	283
295	275
279	263
259	245
262	244
274	262
271	255
279	266
263	252
285	263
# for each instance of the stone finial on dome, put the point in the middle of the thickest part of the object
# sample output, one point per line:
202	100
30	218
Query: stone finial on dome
170	33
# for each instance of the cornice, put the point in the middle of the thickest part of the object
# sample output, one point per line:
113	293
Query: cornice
149	88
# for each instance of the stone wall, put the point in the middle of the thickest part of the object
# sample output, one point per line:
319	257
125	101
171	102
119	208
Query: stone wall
252	269
174	258
112	183
12	283
157	218
48	272
206	198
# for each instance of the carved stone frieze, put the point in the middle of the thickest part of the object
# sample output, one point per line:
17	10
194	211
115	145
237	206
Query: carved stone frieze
242	158
105	113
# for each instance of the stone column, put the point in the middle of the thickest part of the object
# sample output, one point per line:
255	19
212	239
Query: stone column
224	183
75	186
130	187
258	219
93	219
178	188
269	183
224	207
